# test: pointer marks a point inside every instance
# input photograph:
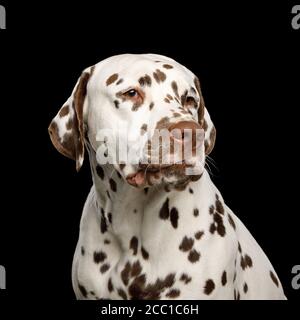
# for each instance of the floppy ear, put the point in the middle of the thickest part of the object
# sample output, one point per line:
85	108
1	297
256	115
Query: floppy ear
66	129
205	121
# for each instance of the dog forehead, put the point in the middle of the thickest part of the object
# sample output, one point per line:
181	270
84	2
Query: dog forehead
131	66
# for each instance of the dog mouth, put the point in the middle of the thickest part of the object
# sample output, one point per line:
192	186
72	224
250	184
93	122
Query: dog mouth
148	175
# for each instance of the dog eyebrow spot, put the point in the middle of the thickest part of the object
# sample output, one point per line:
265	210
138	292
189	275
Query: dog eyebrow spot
119	81
112	79
145	81
159	76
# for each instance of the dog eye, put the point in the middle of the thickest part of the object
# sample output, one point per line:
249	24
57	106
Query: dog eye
132	93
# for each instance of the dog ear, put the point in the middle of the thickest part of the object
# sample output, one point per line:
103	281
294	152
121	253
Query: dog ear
205	121
66	129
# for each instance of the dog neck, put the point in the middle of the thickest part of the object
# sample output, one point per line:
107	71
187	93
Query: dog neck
126	212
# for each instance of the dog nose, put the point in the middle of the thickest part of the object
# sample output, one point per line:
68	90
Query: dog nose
185	132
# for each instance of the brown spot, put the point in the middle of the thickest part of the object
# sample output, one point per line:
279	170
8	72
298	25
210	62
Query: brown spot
231	221
82	251
183	97
104	267
146	190
119	81
125	273
151	105
173	293
136	269
117	103
106	241
239	247
205	125
167	66
134	244
99	256
186	244
185	278
234	276
274	278
136	105
100	171
143	129
145	81
166	100
248	261
176	115
82	290
209	286
103	225
110	286
174	217
109	216
113	185
194	256
219	206
169	97
145	253
159	76
162	123
191	190
138	290
112	79
164	211
122	166
245	288
122	294
224	278
119	175
69	126
199	235
108	194
218	224
211	209
175	88
196	212
64	111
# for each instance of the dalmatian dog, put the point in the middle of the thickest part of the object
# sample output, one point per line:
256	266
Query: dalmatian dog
153	231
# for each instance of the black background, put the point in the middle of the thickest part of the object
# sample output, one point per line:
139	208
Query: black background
247	59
